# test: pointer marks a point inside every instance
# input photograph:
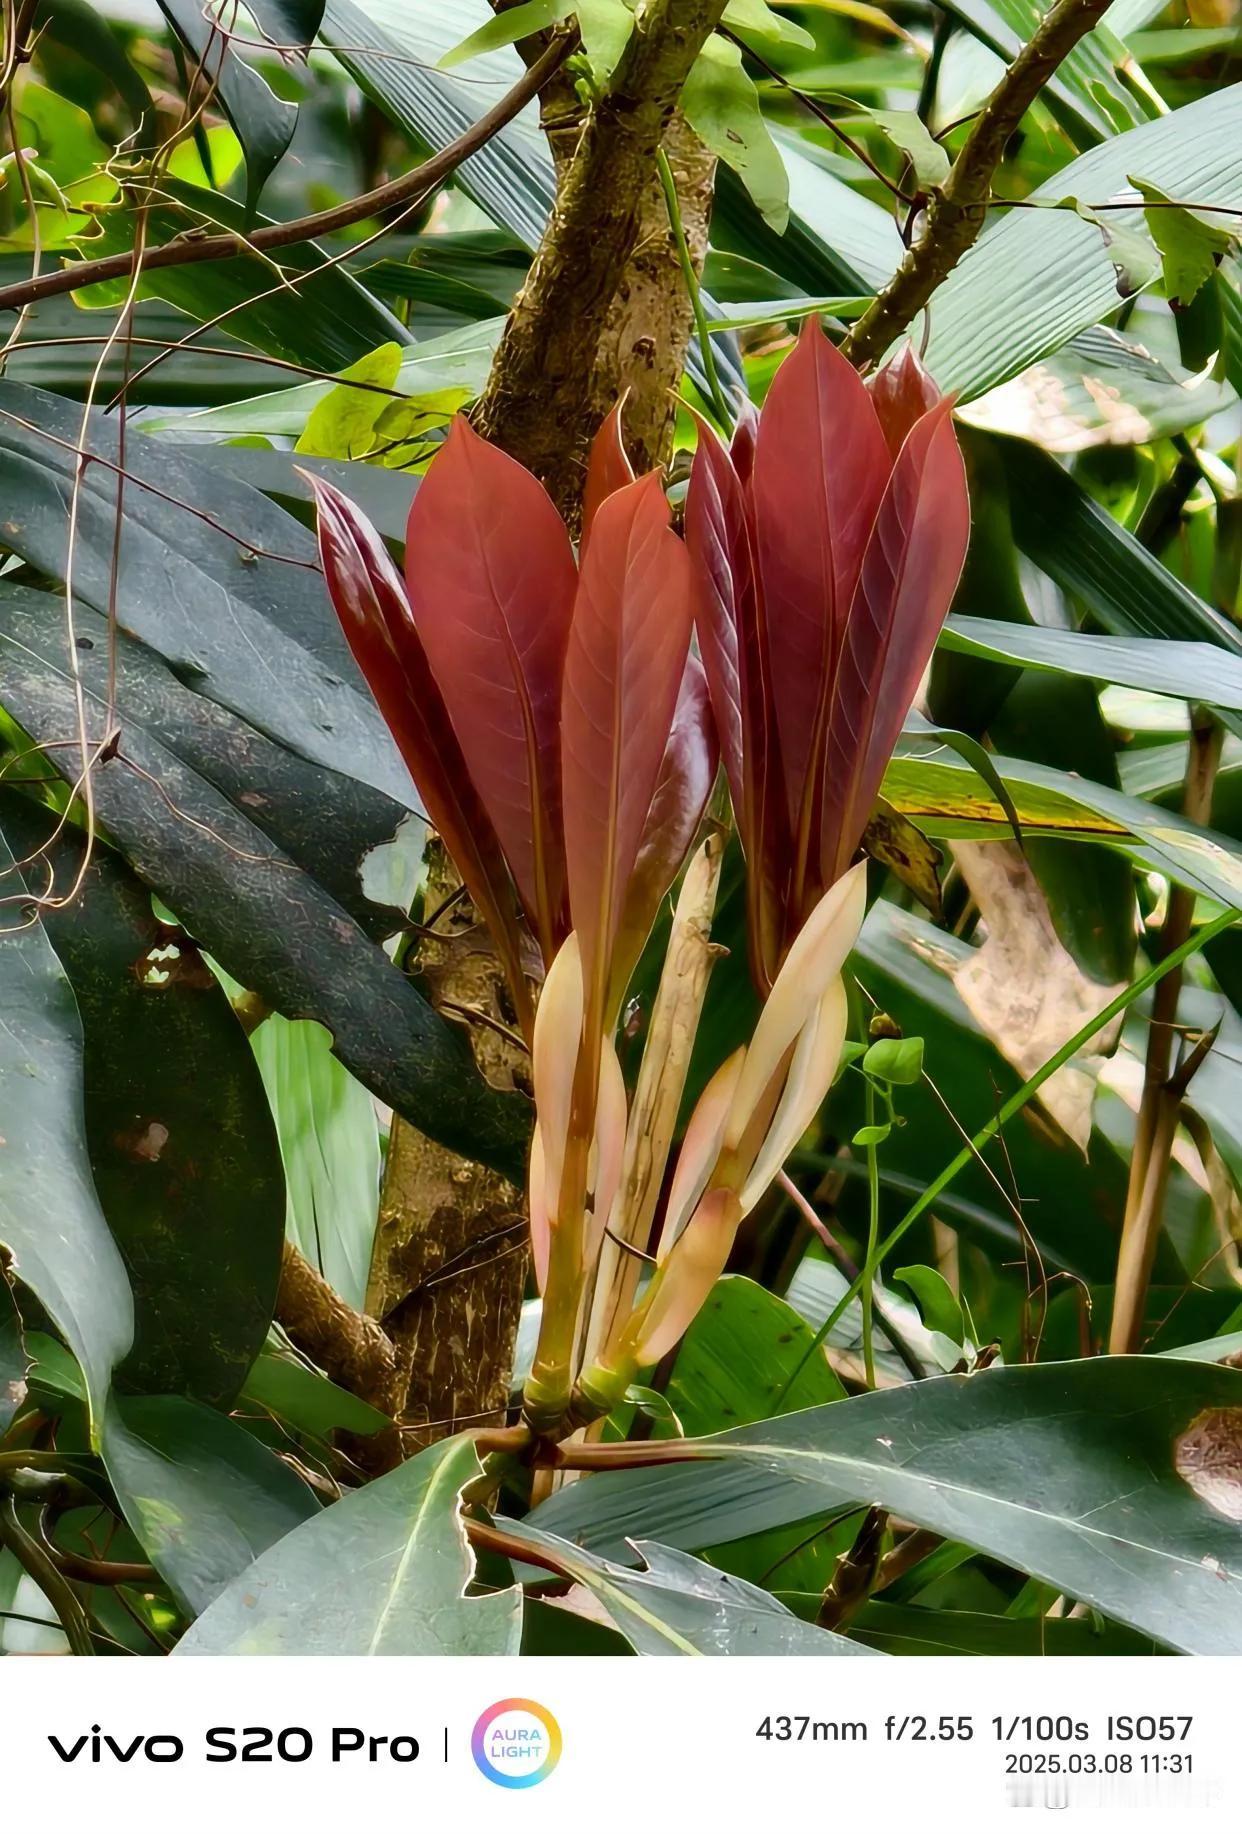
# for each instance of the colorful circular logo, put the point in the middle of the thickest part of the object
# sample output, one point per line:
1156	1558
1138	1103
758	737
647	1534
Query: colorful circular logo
516	1743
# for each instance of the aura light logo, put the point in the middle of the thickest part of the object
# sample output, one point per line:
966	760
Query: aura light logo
516	1743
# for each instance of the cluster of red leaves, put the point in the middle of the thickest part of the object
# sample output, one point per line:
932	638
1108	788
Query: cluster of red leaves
548	708
828	541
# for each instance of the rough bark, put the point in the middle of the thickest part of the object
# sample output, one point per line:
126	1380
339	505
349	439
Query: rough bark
540	402
449	1264
348	1346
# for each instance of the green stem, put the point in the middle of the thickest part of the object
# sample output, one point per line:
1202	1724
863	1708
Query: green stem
1008	1109
873	1242
669	186
51	1582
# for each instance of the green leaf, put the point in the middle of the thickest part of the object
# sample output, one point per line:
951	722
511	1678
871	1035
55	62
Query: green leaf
902	128
937	1302
382	1572
674	1605
459	360
1093	1476
287	22
1190	671
262	122
182	1148
506	28
329	1140
210	574
306	1400
906	1630
872	1135
721	104
1135	262
973	754
755	19
202	1495
740	1355
50	1218
342	423
895	1060
14	1358
1190	249
277	929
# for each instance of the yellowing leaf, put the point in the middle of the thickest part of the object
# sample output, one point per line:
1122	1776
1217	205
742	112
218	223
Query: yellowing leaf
342	425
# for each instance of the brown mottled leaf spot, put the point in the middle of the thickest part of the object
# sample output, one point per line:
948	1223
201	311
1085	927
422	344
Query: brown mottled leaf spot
1208	1456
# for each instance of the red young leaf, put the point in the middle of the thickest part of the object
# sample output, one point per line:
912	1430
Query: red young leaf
732	642
910	573
608	469
902	392
821	465
490	573
370	602
627	652
687	774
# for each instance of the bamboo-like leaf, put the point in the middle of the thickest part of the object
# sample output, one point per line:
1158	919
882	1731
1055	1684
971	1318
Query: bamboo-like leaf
687	774
490	575
554	1058
821	466
370	601
626	657
909	574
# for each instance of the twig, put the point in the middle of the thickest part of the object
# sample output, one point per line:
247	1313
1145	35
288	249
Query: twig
956	212
668	184
193	248
38	1564
1156	1126
353	1349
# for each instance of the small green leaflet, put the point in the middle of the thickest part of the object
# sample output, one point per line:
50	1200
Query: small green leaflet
1189	248
722	106
895	1060
1135	261
516	22
902	128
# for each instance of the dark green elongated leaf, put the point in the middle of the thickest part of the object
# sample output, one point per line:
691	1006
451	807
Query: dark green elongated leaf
183	1151
336	320
203	1497
908	1630
1089	555
50	1219
387	50
1097	1477
79	28
306	1400
1193	671
675	1605
262	122
329	824
14	1360
287	22
381	1573
275	929
975	757
1038	277
242	614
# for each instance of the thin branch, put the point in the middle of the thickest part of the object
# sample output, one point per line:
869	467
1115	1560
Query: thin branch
956	213
192	247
